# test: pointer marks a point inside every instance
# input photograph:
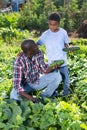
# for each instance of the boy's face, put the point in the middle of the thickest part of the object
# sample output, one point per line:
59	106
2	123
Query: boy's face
53	25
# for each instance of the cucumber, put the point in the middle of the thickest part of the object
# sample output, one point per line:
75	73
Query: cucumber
57	62
73	48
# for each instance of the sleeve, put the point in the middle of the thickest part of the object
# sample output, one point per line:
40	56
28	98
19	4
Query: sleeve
42	65
66	38
41	40
17	77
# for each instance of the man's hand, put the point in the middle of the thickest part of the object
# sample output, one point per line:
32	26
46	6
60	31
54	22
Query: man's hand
29	97
34	100
50	69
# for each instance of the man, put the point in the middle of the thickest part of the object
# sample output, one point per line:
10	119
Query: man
27	69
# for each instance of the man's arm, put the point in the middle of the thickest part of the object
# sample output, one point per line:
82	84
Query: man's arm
45	67
27	96
17	78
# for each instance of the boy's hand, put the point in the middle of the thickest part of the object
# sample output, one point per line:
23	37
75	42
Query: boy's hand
20	53
66	45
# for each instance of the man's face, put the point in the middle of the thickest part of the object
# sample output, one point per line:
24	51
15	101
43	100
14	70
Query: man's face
53	25
34	50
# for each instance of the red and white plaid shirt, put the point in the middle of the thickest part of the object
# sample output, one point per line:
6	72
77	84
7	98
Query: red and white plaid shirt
28	71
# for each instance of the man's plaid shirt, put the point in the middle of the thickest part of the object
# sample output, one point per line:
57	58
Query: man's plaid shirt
28	71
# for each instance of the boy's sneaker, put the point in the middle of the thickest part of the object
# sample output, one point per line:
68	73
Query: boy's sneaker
66	94
55	94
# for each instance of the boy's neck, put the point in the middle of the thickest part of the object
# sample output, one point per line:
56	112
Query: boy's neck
55	30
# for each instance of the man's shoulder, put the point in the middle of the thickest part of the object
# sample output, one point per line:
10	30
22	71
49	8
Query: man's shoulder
20	59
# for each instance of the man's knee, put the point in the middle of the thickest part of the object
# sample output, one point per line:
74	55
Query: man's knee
57	76
14	94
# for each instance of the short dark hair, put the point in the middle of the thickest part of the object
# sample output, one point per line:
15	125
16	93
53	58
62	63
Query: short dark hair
26	45
54	17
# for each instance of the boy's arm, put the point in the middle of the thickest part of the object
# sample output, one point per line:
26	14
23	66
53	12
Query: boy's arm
40	42
66	40
42	39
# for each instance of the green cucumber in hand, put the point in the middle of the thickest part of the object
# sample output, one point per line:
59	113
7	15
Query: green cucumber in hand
73	48
57	63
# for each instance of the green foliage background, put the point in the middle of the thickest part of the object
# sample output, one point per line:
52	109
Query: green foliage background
62	113
35	15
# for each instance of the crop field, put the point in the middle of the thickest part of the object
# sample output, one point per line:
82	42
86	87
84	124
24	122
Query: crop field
62	113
